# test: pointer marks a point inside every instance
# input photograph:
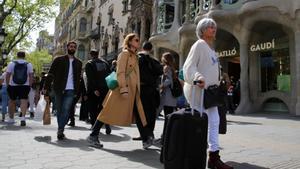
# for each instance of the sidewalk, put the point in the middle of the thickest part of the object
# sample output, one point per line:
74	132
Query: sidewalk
257	141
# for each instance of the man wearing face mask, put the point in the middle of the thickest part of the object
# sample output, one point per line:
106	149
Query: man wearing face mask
64	75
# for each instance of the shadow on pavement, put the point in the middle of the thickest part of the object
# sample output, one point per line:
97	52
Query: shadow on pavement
66	143
244	165
114	138
77	128
231	122
14	127
147	157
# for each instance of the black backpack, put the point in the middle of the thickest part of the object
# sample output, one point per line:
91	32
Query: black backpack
20	73
176	90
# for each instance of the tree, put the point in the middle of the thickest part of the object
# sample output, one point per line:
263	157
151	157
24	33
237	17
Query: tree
38	59
19	18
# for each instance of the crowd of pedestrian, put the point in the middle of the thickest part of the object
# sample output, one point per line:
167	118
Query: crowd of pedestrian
144	88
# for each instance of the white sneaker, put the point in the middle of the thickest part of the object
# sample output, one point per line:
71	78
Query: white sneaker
10	121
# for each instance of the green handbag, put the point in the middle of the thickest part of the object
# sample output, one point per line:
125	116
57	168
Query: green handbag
111	80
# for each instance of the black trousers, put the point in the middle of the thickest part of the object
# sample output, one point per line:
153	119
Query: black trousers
149	101
73	109
94	106
144	131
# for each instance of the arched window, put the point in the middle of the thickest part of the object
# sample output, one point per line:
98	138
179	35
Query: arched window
83	24
81	52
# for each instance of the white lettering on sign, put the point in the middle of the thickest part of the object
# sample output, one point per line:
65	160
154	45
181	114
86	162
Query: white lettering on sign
263	46
225	53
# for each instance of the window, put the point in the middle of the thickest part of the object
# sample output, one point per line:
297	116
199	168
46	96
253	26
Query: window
275	70
81	52
125	6
110	15
83	24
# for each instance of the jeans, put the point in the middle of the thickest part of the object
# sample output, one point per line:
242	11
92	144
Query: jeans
63	103
4	99
213	128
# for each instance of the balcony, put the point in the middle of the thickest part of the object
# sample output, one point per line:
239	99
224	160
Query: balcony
95	33
90	6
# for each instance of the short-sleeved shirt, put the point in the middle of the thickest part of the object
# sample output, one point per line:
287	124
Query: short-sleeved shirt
10	69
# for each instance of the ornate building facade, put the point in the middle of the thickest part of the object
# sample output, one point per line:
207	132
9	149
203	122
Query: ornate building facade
114	19
258	42
74	24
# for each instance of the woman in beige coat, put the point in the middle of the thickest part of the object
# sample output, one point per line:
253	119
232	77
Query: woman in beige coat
122	106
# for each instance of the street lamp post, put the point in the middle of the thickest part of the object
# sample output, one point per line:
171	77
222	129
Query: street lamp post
2	39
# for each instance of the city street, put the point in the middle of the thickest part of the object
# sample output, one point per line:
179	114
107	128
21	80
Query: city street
259	141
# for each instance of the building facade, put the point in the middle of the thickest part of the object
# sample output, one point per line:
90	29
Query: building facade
74	24
114	19
257	42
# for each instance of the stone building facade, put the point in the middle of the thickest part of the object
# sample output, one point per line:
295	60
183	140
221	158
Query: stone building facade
114	19
74	24
258	42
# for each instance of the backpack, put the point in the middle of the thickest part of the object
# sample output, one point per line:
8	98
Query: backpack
20	73
176	90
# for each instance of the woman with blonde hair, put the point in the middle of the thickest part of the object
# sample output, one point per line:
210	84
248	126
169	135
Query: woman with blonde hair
122	105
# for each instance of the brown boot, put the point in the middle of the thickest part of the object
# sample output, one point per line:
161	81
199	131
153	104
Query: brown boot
214	161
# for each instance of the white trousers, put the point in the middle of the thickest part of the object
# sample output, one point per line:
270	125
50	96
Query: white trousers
213	128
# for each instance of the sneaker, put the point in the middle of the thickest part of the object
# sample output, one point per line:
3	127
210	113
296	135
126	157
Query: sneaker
148	143
31	115
60	136
94	141
10	121
72	123
23	123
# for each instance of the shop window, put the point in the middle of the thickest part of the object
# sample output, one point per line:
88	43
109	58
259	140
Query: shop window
81	52
275	70
83	24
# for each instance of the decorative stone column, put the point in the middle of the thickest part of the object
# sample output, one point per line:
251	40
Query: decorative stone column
245	105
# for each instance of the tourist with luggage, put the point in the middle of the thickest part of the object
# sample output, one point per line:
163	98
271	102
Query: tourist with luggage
202	65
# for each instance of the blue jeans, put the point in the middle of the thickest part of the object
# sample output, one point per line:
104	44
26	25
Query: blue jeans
4	99
63	103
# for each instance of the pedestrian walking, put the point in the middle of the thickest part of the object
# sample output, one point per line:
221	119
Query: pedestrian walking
64	75
19	77
202	65
4	95
122	105
96	70
150	70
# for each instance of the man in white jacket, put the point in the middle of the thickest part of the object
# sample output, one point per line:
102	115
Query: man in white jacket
202	65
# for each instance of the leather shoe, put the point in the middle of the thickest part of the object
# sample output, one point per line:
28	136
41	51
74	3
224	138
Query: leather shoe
72	124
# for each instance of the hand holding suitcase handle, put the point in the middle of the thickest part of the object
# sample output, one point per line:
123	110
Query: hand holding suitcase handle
201	84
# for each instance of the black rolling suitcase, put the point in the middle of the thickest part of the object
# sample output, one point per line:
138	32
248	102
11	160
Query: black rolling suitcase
185	140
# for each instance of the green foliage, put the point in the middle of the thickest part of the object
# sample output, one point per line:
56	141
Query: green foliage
38	59
26	16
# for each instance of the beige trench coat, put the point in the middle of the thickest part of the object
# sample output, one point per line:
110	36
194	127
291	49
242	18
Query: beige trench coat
118	110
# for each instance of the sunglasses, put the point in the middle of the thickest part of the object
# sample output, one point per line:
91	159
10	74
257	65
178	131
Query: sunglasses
137	40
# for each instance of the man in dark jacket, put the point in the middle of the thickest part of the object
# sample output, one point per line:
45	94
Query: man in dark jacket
96	70
150	70
64	75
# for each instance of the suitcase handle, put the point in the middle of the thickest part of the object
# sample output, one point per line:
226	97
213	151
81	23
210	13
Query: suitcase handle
193	98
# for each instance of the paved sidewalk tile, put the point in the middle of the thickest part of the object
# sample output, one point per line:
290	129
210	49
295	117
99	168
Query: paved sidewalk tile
259	141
